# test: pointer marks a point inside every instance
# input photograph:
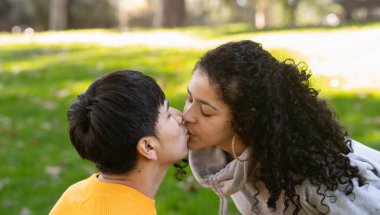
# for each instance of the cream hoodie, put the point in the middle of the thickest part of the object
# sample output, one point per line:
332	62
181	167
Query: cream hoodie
212	170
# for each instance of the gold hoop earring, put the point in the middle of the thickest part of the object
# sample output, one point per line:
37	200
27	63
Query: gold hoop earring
233	151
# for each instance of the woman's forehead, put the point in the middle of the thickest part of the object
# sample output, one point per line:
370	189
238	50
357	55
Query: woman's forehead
200	88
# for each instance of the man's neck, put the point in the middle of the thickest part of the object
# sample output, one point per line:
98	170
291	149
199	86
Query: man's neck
144	178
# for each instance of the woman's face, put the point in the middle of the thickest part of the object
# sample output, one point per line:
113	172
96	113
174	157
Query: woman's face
206	116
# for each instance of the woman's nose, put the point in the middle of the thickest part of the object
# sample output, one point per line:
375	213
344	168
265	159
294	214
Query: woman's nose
187	115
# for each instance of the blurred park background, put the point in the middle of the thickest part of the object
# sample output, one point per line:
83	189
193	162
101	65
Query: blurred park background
51	50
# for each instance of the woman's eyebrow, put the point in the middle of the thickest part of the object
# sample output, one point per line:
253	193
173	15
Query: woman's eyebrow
202	101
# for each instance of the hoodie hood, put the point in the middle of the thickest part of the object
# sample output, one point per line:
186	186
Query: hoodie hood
212	170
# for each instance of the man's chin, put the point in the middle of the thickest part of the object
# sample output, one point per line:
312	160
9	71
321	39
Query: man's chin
185	155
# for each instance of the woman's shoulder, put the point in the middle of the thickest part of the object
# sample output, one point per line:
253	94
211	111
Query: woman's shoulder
361	151
367	160
364	198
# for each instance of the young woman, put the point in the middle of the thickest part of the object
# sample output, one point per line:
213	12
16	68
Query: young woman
124	125
260	134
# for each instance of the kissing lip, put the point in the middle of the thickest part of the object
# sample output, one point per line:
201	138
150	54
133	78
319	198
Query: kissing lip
190	133
186	132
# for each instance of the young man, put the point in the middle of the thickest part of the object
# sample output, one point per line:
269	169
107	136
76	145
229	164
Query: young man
124	125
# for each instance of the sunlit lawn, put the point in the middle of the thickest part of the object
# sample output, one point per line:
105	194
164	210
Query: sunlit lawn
39	82
241	29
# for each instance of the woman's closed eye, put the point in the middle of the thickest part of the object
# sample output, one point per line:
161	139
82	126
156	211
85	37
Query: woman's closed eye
206	111
204	114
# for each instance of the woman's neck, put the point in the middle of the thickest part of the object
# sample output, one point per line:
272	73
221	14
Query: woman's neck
239	147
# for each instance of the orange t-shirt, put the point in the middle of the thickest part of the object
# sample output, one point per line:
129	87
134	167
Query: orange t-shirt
92	196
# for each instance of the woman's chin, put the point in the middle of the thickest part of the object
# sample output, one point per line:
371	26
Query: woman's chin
193	146
190	145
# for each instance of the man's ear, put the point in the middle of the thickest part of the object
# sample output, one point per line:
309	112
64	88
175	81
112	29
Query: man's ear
146	147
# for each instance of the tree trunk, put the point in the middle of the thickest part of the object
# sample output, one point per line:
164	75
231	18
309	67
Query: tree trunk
58	14
249	13
169	14
293	4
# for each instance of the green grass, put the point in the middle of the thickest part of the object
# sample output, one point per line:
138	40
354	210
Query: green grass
38	83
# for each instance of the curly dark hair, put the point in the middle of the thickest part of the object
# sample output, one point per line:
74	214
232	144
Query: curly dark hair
292	133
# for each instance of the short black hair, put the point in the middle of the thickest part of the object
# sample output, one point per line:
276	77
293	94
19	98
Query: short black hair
107	121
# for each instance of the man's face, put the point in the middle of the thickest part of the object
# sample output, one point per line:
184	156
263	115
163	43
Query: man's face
172	134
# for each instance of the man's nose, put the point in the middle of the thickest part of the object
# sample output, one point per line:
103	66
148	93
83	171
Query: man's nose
179	119
178	115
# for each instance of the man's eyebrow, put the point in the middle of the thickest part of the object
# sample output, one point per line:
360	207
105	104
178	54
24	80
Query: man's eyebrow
167	105
202	101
